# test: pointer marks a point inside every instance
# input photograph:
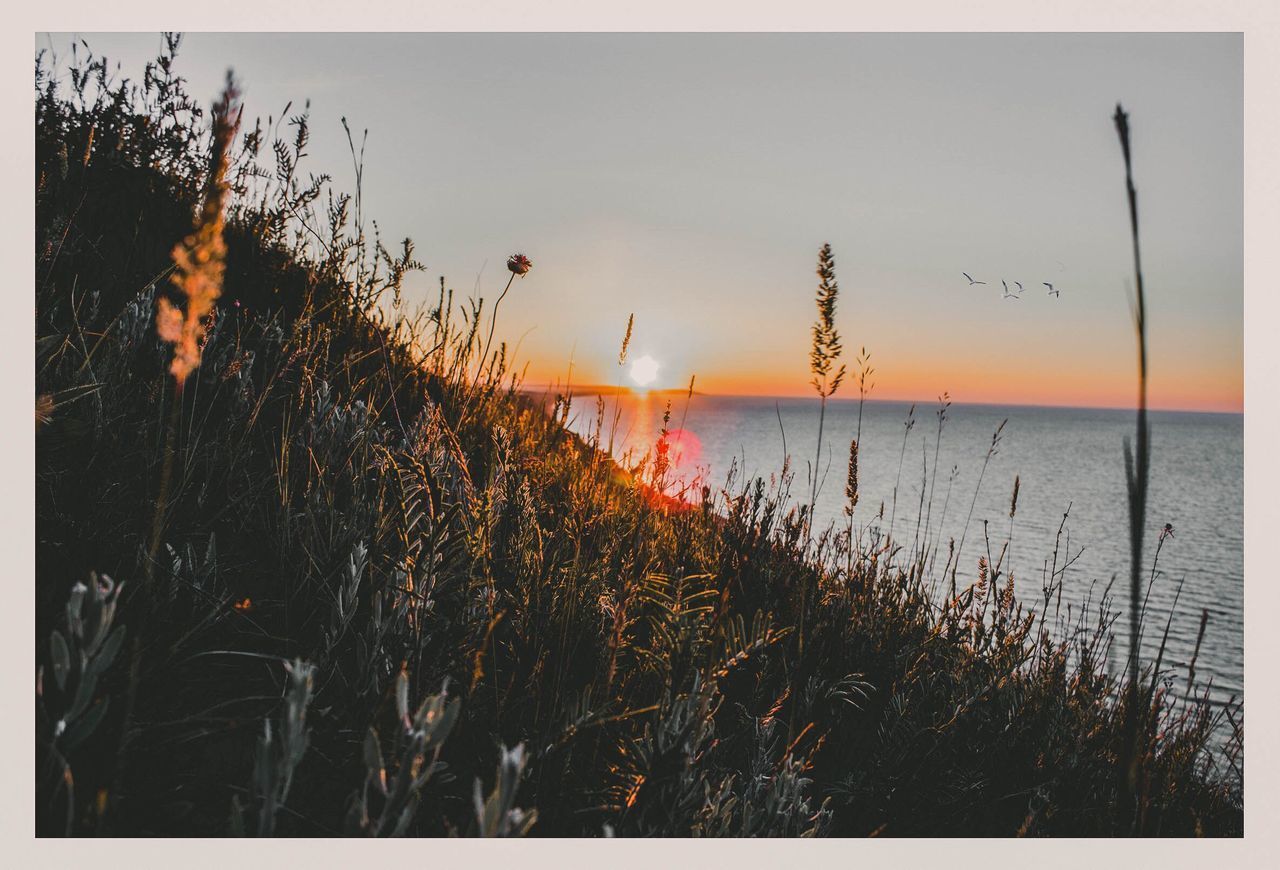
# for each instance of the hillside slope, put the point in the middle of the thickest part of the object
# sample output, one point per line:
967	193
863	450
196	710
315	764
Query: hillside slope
357	579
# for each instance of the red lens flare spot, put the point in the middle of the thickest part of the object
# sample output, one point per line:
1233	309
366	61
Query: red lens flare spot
684	449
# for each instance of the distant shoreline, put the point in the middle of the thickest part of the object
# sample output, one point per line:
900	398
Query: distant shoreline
616	390
610	390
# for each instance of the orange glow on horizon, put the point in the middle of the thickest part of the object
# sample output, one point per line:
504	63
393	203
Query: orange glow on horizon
1196	391
1190	390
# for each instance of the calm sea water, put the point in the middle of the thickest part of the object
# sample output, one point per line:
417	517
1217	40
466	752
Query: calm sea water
1065	458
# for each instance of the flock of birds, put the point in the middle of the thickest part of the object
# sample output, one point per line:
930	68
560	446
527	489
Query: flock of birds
1014	294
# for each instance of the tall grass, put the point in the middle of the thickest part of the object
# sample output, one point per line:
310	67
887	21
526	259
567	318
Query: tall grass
828	372
392	597
824	356
1137	465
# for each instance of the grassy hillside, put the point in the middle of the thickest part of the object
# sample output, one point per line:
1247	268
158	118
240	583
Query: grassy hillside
345	578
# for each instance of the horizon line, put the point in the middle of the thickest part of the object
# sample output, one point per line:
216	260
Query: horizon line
615	389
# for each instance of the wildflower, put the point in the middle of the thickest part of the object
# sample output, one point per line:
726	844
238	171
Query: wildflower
199	259
1166	532
519	264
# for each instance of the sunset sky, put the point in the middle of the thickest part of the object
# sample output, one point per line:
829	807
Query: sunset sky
691	179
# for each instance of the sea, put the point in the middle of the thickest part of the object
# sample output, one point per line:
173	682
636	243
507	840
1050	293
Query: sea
1070	473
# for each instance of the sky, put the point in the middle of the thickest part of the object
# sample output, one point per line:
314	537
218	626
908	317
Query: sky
690	179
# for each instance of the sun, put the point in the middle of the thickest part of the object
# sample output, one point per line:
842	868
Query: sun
644	370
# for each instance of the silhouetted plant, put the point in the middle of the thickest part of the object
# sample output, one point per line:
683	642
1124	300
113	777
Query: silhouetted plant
280	750
387	801
68	707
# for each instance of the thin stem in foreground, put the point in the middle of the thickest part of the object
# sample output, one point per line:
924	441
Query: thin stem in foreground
1137	470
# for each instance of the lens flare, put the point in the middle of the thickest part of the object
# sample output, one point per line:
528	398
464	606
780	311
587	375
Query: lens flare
685	450
644	370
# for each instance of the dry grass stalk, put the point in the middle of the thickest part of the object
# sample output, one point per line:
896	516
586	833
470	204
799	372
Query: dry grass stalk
1137	463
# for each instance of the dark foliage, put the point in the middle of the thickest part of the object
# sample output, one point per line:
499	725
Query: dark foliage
381	592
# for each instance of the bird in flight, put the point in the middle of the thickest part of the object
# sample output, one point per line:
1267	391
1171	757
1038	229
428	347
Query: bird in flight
971	281
1008	294
1052	291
